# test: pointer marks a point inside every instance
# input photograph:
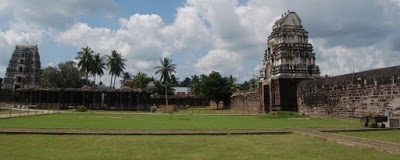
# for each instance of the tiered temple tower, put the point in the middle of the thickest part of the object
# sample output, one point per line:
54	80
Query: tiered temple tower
23	70
289	58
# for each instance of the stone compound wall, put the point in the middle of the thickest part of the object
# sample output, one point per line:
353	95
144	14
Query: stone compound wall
352	95
246	102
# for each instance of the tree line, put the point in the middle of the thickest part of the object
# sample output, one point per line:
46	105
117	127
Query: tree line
89	64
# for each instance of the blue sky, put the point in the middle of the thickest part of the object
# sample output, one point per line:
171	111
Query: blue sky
201	36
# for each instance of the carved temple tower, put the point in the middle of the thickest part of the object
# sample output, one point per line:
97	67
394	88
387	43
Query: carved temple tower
289	59
23	70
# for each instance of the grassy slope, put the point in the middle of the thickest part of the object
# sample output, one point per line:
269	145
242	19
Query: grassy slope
392	136
130	121
283	147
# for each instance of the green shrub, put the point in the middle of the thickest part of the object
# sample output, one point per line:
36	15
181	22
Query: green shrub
81	108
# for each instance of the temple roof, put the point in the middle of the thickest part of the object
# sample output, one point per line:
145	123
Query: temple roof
290	18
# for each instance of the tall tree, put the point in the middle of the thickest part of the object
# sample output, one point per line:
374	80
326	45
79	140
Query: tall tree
217	88
50	77
166	69
174	81
98	66
116	66
85	60
126	76
65	75
195	84
140	81
185	82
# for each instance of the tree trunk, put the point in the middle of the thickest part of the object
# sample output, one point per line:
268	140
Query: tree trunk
217	104
115	78
166	95
111	81
94	80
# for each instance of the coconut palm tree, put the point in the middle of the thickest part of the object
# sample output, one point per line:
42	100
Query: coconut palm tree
85	61
125	76
98	66
116	66
166	69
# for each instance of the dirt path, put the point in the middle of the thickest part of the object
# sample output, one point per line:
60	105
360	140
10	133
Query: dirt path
352	141
26	112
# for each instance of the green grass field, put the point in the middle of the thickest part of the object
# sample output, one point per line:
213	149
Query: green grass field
392	136
207	111
282	147
132	121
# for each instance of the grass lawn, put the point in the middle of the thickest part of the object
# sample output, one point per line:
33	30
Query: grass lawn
290	147
392	136
207	111
132	121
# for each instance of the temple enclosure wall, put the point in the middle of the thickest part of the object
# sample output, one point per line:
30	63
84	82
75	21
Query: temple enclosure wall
246	102
352	95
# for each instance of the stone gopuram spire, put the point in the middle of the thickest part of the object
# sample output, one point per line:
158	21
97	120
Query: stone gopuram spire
289	58
23	70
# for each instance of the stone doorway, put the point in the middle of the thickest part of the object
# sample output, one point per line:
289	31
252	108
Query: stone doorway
266	101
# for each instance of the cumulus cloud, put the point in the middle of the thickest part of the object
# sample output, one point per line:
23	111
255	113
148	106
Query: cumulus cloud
231	37
339	59
32	21
52	14
138	39
222	61
10	38
223	35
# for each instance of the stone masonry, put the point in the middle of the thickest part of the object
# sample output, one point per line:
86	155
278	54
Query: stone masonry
23	69
246	102
289	59
352	95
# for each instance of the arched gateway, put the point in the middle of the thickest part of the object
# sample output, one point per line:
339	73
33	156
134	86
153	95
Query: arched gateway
289	59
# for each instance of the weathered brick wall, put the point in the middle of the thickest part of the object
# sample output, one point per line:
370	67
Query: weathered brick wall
352	95
246	102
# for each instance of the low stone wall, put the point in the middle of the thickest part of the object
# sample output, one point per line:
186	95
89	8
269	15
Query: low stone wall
246	102
352	95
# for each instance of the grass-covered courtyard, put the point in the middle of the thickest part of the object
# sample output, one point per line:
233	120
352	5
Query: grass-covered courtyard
282	147
165	121
392	136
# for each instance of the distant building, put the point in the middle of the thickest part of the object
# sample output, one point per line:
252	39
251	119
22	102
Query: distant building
182	91
23	70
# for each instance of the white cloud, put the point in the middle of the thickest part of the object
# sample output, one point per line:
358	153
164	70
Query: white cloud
339	60
188	30
138	39
229	36
52	14
223	35
3	5
222	61
10	38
